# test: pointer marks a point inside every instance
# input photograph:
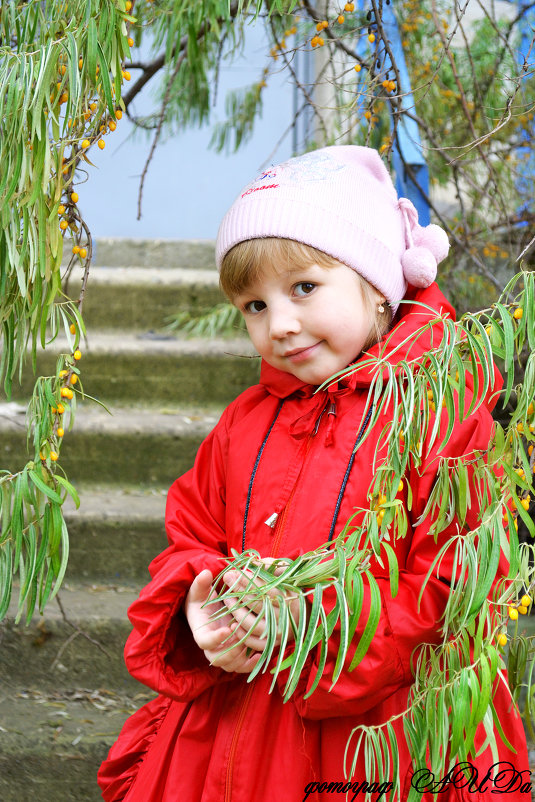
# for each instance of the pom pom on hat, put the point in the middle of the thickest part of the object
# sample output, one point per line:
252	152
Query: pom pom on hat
434	238
419	266
426	247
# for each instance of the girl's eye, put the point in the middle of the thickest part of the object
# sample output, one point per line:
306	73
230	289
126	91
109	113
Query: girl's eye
254	307
304	288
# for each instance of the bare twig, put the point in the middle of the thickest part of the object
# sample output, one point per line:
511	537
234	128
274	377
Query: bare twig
77	631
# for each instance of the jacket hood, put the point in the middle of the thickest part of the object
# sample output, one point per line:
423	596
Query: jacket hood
405	340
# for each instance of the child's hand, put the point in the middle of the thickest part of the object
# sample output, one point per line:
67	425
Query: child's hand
247	616
211	636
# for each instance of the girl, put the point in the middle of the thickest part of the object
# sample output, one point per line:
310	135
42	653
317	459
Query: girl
316	253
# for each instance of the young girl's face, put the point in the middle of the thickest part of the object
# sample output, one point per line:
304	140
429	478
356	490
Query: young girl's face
310	322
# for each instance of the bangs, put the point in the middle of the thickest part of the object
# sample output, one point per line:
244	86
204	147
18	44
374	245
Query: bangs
247	260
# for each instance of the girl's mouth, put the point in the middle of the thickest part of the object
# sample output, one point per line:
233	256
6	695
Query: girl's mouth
300	354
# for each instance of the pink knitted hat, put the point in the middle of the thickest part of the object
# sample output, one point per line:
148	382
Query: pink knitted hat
340	200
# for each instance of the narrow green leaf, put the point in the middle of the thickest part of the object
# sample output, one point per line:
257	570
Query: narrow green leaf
44	488
371	624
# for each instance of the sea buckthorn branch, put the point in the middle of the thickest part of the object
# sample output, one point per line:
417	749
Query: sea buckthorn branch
456	680
60	93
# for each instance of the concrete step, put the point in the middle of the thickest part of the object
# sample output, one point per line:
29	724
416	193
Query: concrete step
54	741
52	652
143	298
143	446
119	367
115	533
120	252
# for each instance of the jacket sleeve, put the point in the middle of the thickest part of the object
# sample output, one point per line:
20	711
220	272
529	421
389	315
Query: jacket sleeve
404	624
161	651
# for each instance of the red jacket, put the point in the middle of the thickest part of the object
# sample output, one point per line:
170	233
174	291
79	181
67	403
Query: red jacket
210	735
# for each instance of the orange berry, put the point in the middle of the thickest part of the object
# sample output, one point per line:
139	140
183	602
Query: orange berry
74	197
72	328
61	409
74	378
525	601
62	373
118	114
400	487
371	37
101	144
358	67
64	97
53	456
66	393
61	209
126	75
112	125
128	5
502	639
77	354
513	613
522	610
93	106
341	19
367	114
130	42
60	432
517	314
76	249
85	143
80	63
525	502
83	253
531	409
63	225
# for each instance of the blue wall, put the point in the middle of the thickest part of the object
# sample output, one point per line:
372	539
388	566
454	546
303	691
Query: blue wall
189	186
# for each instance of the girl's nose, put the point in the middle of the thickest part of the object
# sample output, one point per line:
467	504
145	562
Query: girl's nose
283	321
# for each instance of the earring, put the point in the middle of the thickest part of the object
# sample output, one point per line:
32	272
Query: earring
381	309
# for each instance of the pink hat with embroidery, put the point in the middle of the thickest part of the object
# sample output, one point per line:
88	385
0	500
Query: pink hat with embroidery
340	200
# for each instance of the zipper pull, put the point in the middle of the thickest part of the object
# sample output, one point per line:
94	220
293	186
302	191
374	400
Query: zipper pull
331	415
272	520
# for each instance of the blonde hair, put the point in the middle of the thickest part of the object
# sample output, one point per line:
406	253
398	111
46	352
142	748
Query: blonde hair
246	261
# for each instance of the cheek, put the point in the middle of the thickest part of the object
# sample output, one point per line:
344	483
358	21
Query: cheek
255	331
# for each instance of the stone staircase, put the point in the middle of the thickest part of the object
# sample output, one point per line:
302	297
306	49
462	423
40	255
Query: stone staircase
64	690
